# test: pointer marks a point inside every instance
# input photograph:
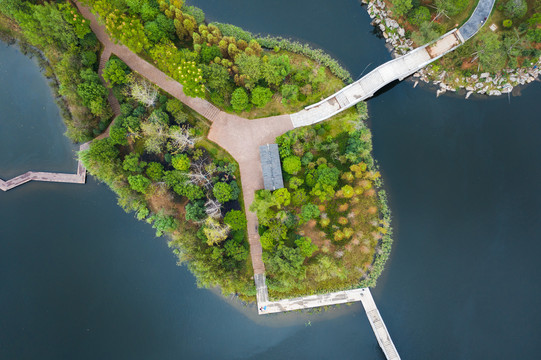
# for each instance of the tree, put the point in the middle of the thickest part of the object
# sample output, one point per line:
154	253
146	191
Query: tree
419	15
118	135
249	70
142	90
181	162
515	8
163	223
235	219
214	231
239	99
209	53
491	54
305	246
139	183
131	163
276	69
292	164
290	93
217	78
309	212
401	7
236	249
282	196
176	108
154	171
160	29
261	205
115	72
195	211
261	96
451	7
222	192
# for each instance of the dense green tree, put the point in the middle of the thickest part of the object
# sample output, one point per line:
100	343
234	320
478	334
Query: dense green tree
286	264
292	164
209	53
261	96
118	135
282	197
451	7
217	78
139	183
290	93
132	164
401	7
222	192
181	162
419	15
239	99
306	247
115	72
275	70
491	54
154	171
236	249
235	219
160	29
515	8
309	212
195	211
249	70
163	223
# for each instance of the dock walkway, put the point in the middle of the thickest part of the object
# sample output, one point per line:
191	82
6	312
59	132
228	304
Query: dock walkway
78	178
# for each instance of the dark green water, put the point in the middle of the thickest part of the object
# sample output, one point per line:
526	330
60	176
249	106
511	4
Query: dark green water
82	280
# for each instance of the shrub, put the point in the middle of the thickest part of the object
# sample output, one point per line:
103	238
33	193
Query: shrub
239	99
305	246
118	135
507	23
139	183
401	7
261	96
290	93
195	211
292	164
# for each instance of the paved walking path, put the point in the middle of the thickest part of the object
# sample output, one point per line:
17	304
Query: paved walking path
238	136
78	178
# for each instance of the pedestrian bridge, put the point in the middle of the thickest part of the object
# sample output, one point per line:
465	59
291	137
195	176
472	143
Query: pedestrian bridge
396	69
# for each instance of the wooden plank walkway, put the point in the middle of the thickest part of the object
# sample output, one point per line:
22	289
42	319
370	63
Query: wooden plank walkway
78	178
341	297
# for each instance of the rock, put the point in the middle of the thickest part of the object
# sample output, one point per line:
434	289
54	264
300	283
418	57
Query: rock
478	85
484	75
439	92
494	93
415	84
474	76
507	88
468	94
382	27
488	79
385	35
401	32
470	88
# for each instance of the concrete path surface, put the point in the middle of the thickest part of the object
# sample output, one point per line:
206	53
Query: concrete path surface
477	19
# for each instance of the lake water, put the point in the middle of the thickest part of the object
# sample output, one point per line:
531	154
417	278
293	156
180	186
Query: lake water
80	279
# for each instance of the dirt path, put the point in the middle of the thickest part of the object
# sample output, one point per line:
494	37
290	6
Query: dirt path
238	136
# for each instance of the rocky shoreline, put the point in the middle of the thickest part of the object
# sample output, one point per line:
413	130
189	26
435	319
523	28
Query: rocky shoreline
485	83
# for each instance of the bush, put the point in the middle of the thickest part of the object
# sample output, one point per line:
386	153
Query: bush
507	23
239	99
88	58
155	171
290	93
235	219
292	164
139	183
401	7
261	96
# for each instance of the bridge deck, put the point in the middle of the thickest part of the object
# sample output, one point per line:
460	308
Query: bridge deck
365	87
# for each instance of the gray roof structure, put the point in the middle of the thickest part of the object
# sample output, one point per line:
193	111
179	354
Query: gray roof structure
270	164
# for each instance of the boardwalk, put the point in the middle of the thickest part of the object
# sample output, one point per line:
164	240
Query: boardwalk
341	297
78	178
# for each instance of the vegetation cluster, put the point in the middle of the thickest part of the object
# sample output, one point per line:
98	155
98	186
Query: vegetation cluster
221	62
157	161
65	39
515	43
327	229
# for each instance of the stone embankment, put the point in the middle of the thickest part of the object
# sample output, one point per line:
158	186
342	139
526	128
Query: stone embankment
483	84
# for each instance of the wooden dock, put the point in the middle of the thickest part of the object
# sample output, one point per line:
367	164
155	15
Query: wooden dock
341	297
78	178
